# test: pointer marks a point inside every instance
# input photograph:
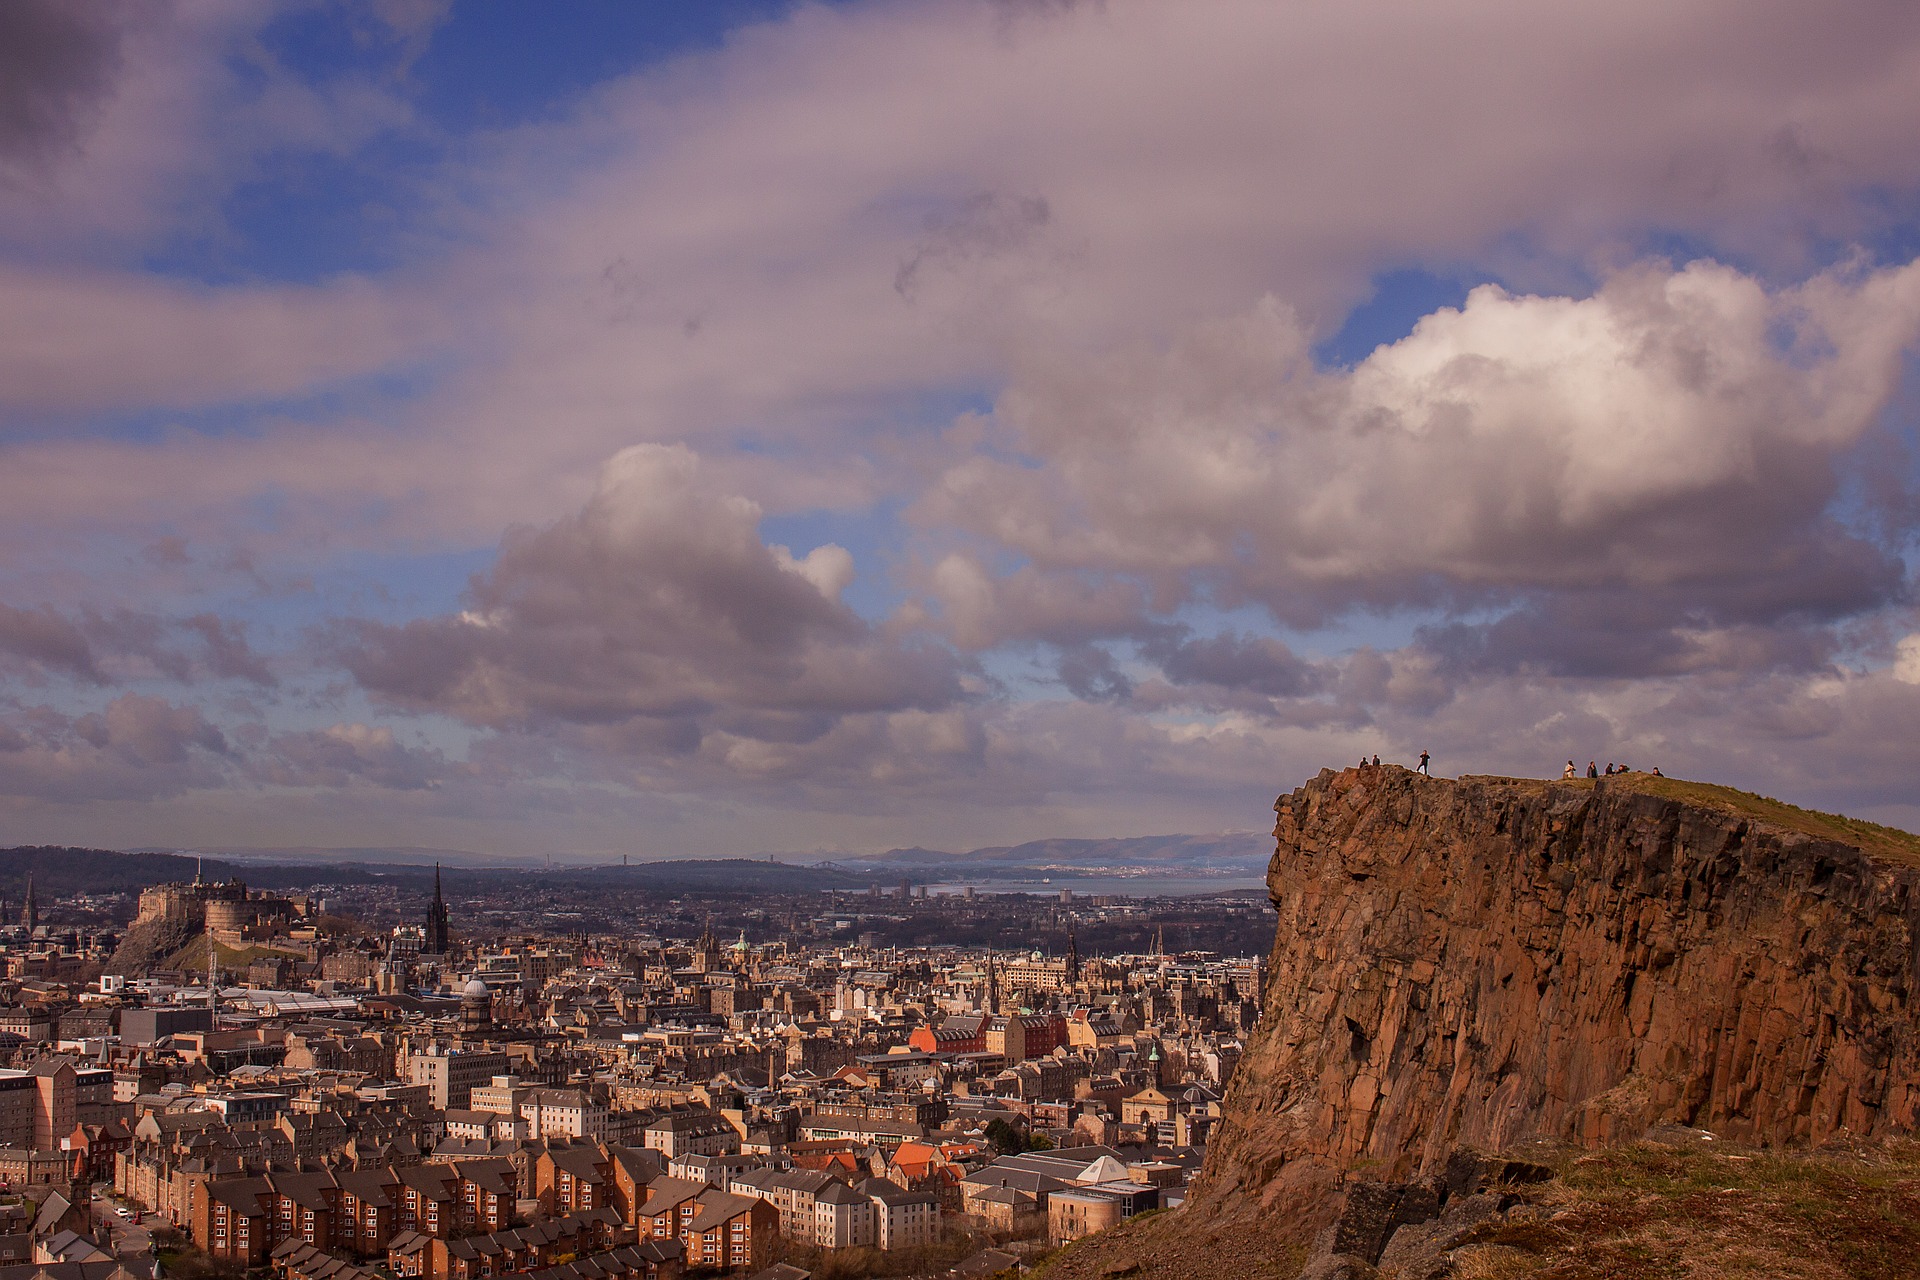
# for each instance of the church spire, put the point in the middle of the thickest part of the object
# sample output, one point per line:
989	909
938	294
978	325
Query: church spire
435	942
1073	957
30	914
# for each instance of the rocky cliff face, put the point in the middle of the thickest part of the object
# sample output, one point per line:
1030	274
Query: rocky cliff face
1490	961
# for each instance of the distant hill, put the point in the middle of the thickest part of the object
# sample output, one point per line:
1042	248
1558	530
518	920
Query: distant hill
382	856
59	871
1233	852
698	874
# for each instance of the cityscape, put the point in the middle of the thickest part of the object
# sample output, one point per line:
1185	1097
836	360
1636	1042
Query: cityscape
358	1080
959	640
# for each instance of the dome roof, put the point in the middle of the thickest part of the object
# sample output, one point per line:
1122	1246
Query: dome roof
475	989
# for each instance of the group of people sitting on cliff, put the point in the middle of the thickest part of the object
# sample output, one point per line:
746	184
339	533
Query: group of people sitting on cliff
1593	770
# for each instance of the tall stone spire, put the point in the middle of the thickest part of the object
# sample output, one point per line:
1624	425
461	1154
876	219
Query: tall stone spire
993	987
1073	957
435	942
30	914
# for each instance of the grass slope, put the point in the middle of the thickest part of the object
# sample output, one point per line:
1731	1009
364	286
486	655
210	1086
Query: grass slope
1647	1211
1871	838
1888	843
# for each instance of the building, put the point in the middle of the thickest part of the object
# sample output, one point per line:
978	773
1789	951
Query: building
695	1131
730	1232
1024	977
1017	1037
19	1105
502	1094
451	1074
842	1218
40	1107
151	1025
434	942
902	1219
573	1179
564	1113
1077	1211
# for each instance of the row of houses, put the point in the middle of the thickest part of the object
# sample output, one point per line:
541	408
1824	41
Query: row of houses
243	1219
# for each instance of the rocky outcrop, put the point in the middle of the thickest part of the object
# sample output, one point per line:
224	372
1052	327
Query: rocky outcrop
1491	961
147	943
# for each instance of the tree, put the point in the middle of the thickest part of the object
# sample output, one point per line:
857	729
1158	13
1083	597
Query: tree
1004	1138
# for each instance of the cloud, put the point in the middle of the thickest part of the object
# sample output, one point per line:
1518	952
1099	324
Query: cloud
653	618
78	342
1147	581
344	755
709	251
115	646
56	62
123	125
46	640
136	748
1671	445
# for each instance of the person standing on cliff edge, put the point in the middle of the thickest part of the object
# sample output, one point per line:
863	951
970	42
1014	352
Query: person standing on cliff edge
1424	757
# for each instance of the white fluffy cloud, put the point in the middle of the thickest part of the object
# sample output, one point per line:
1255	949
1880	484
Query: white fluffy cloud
1675	437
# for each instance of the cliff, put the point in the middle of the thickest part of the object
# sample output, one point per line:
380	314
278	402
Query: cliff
1490	962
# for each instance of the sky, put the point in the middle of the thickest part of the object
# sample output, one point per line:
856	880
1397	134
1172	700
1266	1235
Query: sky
663	429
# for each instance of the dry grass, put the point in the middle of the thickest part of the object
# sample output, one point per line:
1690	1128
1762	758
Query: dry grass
1649	1212
1869	837
1888	843
192	958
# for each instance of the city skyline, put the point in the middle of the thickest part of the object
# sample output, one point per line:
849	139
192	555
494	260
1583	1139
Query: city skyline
693	430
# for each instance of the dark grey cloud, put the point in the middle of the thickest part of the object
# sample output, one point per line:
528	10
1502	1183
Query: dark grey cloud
1235	661
44	639
108	646
225	652
1621	635
135	748
347	755
57	61
1089	672
654	616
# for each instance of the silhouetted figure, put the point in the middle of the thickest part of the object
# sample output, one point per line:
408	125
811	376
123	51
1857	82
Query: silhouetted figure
1609	768
1593	770
1376	761
1424	757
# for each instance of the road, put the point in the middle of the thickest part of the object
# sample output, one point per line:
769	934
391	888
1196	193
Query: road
129	1241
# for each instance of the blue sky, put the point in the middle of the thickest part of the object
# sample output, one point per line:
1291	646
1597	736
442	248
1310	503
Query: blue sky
651	428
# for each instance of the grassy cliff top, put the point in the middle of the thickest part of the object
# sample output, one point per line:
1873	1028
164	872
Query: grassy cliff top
1648	1212
1689	1208
1871	838
1887	843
